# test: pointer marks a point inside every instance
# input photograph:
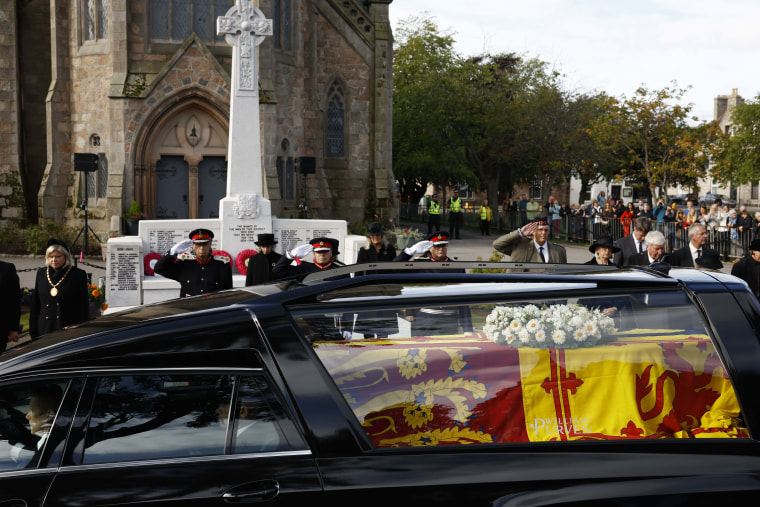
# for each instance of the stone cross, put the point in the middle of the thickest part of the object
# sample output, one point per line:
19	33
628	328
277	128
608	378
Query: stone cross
244	28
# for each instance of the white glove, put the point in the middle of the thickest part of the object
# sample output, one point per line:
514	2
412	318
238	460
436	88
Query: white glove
419	248
302	251
182	246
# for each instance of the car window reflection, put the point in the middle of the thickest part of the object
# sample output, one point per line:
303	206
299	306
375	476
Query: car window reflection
27	415
168	416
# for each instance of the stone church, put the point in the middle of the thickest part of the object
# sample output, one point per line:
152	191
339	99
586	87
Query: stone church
145	84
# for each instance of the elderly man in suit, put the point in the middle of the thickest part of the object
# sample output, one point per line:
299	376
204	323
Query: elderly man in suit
654	253
688	255
633	243
522	248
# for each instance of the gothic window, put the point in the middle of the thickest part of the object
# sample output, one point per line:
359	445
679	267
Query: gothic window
755	191
336	119
95	17
286	177
282	22
175	20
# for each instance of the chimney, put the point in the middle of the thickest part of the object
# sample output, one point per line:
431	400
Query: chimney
721	104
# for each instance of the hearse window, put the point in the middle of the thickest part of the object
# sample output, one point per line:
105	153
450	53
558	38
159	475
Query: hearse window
137	417
27	414
627	366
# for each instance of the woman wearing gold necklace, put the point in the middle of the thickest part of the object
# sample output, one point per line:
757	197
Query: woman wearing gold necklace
60	292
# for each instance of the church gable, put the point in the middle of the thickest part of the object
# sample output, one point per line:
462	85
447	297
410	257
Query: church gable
191	61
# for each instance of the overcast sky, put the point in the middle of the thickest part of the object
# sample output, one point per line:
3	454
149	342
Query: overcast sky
616	45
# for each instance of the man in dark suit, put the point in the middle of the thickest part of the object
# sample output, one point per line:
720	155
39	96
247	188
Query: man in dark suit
688	255
10	304
522	248
654	253
633	243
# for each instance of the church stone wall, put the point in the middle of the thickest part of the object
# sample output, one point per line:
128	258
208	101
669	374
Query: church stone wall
11	207
346	178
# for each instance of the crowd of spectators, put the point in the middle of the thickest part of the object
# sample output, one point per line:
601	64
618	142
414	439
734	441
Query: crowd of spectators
730	230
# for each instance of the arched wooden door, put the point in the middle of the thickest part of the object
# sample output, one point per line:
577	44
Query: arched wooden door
187	161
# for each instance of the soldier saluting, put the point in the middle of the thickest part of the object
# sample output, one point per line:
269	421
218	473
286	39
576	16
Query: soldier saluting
191	264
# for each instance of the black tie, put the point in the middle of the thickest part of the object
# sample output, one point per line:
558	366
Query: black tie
641	247
699	253
541	253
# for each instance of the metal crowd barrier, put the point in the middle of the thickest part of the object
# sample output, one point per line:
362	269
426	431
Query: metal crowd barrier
584	230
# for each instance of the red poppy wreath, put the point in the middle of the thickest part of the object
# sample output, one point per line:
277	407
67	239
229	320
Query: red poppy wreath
149	261
241	261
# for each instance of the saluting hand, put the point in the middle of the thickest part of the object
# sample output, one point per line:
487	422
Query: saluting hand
419	248
182	246
528	229
302	251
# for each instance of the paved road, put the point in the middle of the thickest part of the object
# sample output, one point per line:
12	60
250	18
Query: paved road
471	247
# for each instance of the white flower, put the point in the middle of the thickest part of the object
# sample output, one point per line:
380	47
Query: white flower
524	335
558	336
515	325
532	325
591	329
580	334
540	335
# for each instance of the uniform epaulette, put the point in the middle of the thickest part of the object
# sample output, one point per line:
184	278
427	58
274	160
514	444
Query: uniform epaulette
222	258
186	256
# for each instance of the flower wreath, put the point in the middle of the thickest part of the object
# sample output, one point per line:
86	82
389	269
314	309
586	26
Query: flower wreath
241	261
149	261
221	253
556	326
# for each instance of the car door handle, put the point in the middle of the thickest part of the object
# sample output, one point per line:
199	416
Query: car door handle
253	492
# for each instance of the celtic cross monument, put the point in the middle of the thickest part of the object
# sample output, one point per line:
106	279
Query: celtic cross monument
244	212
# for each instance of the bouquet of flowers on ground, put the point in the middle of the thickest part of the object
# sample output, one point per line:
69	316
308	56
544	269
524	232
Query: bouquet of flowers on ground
96	295
555	326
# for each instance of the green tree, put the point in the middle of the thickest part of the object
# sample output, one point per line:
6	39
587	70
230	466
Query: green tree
423	57
737	157
651	136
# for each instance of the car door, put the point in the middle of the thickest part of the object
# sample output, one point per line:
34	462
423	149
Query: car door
191	427
183	437
35	415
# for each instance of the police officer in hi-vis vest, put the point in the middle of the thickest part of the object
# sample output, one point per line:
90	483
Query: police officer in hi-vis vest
485	218
434	215
455	214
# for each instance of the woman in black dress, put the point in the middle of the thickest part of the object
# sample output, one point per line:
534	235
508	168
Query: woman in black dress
60	293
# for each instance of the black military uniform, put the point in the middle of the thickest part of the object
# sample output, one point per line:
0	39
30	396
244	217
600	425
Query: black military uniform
285	267
430	321
196	277
260	266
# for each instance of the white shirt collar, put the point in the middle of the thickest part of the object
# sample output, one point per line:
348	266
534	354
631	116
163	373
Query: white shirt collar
545	245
